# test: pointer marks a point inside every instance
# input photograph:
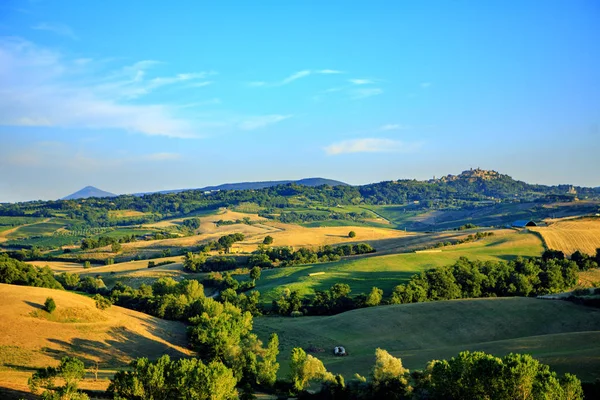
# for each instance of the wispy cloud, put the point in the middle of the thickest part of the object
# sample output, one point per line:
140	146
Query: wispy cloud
294	77
393	127
361	81
329	71
59	29
364	93
40	87
371	145
258	122
425	85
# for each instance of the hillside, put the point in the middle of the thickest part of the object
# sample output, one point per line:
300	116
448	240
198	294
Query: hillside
571	235
564	335
31	338
87	192
257	185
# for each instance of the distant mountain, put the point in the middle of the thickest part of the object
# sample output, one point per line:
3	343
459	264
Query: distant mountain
257	185
88	191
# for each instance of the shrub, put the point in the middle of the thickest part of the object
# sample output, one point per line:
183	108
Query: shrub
268	240
351	234
87	264
49	305
296	314
102	302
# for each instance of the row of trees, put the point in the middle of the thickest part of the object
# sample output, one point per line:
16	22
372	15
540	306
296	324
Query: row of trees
16	272
266	257
463	279
470	375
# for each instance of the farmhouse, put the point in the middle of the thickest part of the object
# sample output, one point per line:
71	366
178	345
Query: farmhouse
522	223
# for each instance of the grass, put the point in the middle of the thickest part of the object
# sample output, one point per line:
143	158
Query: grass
31	338
572	235
564	335
118	214
387	271
39	229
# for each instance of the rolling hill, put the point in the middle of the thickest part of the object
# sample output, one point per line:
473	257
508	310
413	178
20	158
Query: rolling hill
564	335
31	338
87	192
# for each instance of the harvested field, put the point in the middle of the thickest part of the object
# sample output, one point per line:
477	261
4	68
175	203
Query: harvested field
571	235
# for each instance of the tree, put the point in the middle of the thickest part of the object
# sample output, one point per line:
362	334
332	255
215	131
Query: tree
389	377
374	298
255	273
351	234
49	305
268	366
87	264
70	370
116	247
304	368
102	302
268	240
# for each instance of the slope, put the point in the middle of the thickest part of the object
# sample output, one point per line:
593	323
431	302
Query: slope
32	338
562	334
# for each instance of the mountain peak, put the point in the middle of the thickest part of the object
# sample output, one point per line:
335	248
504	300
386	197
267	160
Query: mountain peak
87	192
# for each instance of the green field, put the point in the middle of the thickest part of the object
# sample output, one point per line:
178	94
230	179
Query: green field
564	335
39	229
385	272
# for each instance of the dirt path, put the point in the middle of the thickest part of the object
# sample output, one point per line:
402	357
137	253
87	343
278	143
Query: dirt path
4	234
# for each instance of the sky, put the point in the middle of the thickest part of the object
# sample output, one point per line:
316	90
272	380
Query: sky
138	96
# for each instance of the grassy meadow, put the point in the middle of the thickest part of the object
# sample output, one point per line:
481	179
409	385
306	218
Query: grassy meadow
564	335
387	271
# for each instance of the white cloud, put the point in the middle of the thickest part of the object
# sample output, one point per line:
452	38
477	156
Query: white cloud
371	145
40	87
393	127
262	121
364	93
293	77
329	71
425	85
59	29
361	81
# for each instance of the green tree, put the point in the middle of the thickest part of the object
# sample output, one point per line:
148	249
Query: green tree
305	368
351	234
87	264
389	377
268	366
116	247
255	273
268	240
70	370
49	305
374	298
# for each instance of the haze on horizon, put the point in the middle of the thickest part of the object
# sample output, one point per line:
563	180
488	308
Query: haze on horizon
148	95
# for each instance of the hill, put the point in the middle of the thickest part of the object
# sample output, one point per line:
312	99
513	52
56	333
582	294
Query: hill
564	335
389	270
87	192
312	182
31	338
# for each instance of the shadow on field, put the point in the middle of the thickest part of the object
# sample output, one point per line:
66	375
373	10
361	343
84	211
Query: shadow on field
34	305
115	352
10	394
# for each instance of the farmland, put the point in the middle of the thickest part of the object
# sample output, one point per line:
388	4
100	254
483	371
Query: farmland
561	334
571	235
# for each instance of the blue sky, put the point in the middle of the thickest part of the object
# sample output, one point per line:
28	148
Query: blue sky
151	95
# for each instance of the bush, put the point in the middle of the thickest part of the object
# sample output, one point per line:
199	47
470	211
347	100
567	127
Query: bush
87	265
268	240
102	302
351	234
296	314
49	305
